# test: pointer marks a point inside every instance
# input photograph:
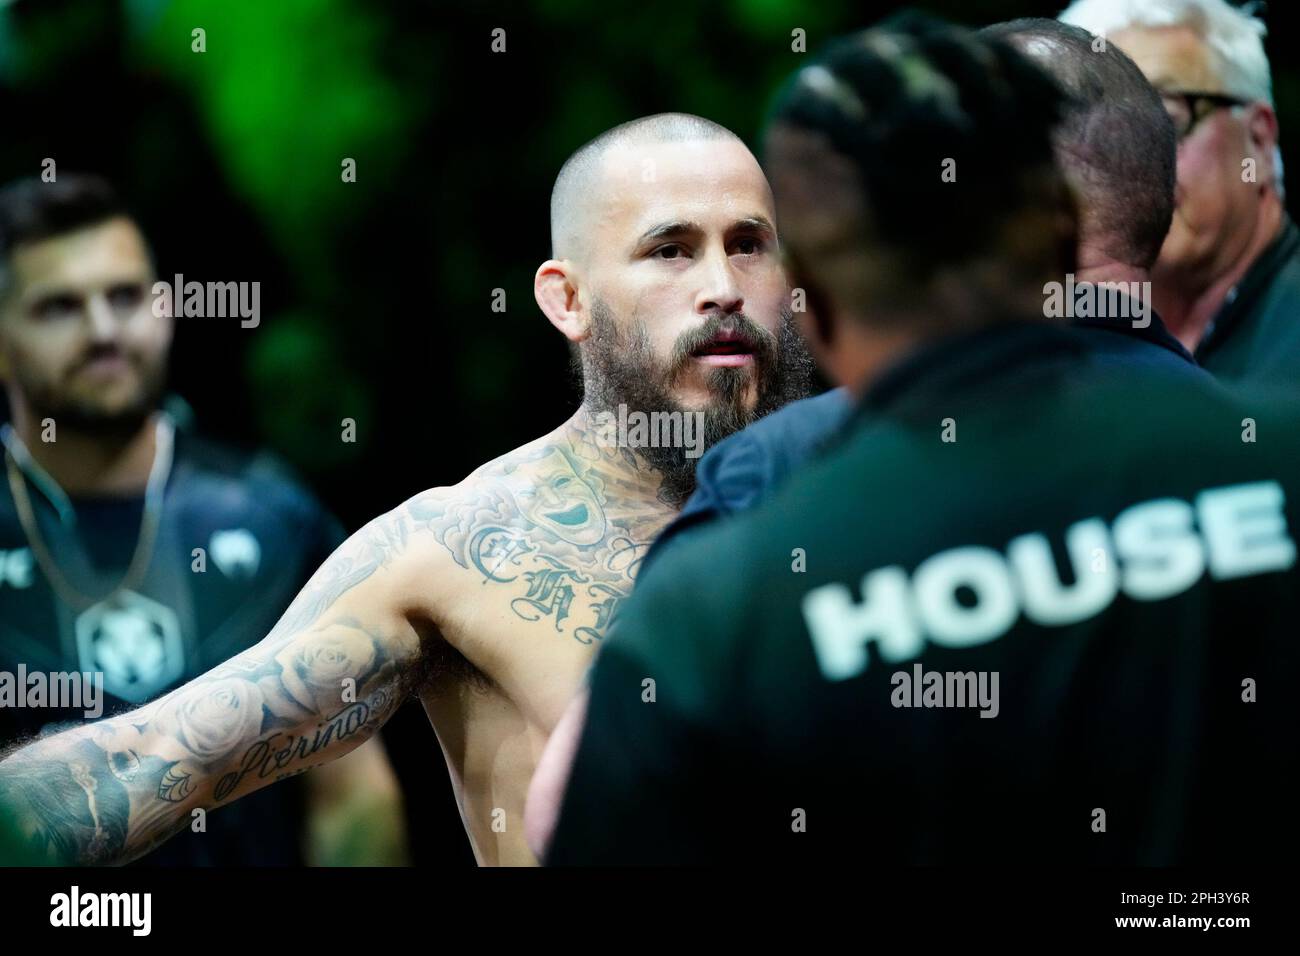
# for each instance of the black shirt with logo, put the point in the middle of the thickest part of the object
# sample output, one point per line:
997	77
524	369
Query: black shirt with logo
1022	609
237	539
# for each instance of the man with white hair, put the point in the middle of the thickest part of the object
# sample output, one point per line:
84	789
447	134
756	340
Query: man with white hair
1227	281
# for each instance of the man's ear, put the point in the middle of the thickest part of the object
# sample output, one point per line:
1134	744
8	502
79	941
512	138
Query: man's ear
555	286
1261	127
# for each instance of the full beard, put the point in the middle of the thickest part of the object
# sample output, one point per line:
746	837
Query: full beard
621	369
88	415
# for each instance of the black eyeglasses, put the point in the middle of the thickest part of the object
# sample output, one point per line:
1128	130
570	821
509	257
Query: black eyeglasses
1187	109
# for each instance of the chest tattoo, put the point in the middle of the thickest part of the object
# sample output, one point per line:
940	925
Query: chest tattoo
561	536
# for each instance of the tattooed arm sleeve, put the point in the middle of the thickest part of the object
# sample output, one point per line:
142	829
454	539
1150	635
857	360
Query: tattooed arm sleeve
329	674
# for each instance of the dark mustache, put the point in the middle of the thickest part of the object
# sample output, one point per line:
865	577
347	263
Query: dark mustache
748	333
96	352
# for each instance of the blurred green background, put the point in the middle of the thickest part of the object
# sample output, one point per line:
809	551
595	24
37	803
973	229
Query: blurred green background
376	295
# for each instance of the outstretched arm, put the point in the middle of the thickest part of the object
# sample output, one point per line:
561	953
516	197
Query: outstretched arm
331	672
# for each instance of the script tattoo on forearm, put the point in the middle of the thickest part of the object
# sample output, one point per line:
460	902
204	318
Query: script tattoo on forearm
281	753
113	790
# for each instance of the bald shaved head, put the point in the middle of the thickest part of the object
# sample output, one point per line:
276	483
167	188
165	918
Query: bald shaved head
666	279
577	188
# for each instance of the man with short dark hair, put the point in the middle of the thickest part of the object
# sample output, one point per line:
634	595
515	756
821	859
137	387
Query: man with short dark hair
1017	612
1115	142
132	552
1115	145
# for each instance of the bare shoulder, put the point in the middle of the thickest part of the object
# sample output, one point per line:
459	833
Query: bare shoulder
420	552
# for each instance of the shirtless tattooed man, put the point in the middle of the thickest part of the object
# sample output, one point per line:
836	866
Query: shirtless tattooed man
487	599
